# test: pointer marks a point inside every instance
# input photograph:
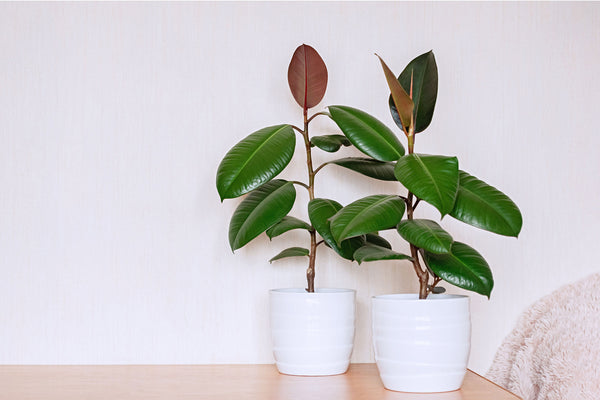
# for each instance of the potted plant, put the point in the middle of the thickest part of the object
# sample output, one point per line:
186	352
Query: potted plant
421	340
312	328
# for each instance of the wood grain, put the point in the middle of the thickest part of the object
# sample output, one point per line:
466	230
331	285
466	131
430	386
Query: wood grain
214	382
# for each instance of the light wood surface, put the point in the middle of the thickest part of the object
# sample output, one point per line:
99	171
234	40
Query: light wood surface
239	382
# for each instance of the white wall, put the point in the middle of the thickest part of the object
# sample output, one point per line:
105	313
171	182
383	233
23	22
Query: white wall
113	119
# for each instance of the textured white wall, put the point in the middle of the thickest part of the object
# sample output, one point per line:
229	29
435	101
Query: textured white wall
113	119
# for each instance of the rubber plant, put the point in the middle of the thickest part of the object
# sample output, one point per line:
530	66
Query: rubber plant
251	166
435	179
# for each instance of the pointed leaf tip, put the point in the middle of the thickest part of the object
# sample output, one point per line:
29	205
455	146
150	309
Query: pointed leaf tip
420	77
463	267
426	235
483	206
402	100
373	252
290	252
255	160
367	133
319	212
260	210
431	178
366	215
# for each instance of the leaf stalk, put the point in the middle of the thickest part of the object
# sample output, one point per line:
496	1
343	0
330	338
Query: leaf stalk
310	271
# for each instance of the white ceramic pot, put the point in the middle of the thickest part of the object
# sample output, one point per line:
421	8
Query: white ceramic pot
313	333
421	346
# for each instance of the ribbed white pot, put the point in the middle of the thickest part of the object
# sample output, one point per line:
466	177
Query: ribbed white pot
421	346
313	333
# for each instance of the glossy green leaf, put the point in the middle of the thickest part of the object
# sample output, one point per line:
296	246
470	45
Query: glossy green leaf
255	160
260	210
431	178
372	252
286	224
382	170
367	133
425	234
366	215
404	104
463	267
377	240
424	73
330	143
319	212
291	252
485	207
307	76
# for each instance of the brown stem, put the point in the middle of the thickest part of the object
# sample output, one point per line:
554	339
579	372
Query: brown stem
320	166
317	114
304	185
422	273
310	272
409	206
436	280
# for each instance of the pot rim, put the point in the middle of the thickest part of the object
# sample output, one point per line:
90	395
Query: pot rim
414	297
318	291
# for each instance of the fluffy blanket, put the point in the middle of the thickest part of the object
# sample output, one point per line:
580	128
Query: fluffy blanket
554	351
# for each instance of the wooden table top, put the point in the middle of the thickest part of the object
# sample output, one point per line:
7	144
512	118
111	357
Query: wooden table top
240	382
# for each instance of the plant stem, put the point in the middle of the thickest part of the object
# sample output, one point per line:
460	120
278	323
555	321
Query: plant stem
310	272
421	272
411	142
317	114
436	280
304	185
320	166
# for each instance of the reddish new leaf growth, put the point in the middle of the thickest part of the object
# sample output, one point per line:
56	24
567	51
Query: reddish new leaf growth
307	76
403	101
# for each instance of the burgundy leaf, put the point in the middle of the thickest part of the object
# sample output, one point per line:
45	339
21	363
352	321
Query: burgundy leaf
403	102
307	76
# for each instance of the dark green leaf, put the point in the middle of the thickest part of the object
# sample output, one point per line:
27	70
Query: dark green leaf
307	76
400	98
330	143
463	267
367	133
485	207
431	178
291	252
319	212
377	240
369	214
260	210
382	170
423	71
371	252
286	224
425	234
255	160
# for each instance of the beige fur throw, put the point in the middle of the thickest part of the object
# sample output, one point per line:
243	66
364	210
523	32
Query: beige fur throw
554	351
